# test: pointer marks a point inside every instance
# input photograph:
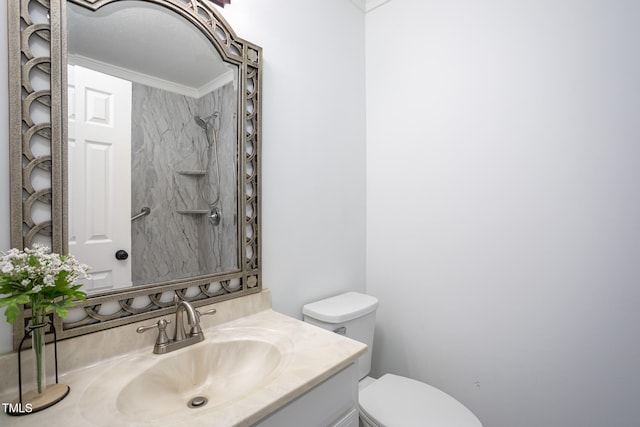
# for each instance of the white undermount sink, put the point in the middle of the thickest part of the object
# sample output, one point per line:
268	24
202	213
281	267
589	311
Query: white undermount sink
226	367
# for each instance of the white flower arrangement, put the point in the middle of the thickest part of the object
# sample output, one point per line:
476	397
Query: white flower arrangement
43	279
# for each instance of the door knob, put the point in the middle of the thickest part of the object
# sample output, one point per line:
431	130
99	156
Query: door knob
122	255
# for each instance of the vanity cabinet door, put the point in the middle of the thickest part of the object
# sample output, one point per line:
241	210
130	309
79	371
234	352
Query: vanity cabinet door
350	419
333	403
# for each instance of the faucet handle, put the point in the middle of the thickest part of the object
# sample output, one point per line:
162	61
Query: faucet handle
212	311
162	324
199	314
196	329
162	331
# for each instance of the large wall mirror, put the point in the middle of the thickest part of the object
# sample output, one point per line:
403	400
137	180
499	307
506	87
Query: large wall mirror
135	135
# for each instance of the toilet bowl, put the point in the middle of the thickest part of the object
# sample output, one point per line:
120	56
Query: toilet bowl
391	400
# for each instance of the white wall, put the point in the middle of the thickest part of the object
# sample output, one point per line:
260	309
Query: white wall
313	196
313	146
503	204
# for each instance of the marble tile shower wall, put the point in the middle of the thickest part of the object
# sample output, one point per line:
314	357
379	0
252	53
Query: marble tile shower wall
221	241
174	173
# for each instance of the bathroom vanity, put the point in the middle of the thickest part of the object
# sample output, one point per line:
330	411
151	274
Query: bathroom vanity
262	368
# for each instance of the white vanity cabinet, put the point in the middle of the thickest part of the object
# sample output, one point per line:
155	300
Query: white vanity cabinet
332	403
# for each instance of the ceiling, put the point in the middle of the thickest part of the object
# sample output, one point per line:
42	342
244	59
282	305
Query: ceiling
146	39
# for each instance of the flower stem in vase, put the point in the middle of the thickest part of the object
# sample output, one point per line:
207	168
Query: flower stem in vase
38	326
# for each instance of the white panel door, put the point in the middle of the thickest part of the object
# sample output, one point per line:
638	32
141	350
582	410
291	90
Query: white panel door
100	175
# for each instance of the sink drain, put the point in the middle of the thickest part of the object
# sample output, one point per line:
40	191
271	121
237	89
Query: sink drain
197	402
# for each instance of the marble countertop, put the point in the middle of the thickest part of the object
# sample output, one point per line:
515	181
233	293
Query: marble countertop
310	356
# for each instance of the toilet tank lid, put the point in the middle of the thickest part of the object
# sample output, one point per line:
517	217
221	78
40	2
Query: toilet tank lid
341	308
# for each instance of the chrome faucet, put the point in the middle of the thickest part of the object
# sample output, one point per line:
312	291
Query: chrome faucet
180	338
193	320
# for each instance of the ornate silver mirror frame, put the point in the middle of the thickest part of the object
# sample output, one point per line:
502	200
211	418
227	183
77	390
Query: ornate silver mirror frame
28	105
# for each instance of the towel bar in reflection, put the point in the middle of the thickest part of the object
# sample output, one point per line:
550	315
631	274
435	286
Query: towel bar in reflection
143	212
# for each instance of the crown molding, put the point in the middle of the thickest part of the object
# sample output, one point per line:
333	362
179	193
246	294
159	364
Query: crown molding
147	80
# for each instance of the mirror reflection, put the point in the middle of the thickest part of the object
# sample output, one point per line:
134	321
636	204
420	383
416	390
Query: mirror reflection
153	147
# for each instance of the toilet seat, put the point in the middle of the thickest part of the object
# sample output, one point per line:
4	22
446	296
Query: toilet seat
395	401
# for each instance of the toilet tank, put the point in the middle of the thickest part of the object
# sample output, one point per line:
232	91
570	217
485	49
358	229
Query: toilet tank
351	314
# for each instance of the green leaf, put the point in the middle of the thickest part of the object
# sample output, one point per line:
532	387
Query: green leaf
79	295
14	299
62	312
10	286
61	280
12	313
61	307
12	303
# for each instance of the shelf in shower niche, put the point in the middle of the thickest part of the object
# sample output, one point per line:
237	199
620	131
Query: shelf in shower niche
193	211
194	172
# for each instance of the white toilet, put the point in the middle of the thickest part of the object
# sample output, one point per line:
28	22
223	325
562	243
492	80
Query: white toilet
391	400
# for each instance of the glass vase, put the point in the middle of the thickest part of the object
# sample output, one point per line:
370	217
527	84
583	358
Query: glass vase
38	330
